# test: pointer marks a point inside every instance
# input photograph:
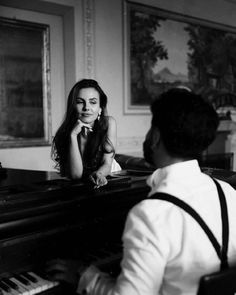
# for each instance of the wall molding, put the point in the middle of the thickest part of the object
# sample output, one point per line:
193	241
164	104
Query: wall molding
89	24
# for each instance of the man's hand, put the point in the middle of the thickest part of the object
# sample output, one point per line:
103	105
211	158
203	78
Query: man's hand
67	271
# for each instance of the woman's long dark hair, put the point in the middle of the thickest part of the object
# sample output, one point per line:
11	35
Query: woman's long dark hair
98	142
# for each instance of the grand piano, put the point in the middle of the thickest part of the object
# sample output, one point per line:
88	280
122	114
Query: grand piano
44	216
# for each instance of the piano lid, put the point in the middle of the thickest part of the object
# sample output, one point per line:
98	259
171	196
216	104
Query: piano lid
10	176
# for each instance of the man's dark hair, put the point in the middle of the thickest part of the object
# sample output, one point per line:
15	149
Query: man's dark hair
187	123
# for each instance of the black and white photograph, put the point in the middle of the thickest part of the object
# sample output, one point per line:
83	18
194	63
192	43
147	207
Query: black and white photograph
117	147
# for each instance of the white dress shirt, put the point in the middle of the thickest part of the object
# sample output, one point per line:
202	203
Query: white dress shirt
165	249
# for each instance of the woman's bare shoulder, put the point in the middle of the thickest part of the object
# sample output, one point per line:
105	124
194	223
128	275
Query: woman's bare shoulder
111	125
111	121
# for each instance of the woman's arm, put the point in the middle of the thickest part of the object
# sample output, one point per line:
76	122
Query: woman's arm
99	176
74	165
105	168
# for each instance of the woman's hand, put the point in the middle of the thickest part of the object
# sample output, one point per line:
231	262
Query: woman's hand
66	271
78	127
98	179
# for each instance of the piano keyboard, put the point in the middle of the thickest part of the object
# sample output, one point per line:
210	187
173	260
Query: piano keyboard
28	283
106	258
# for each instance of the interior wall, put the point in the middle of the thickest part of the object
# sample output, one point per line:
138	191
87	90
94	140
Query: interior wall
93	43
65	29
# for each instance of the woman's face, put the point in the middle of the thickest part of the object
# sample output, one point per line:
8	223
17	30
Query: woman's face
88	105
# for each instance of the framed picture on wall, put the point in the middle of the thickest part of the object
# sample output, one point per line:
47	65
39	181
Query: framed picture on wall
165	49
25	110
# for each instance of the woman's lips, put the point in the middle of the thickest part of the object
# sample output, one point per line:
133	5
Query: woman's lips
86	115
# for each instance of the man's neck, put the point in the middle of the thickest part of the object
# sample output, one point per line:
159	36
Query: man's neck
163	158
170	161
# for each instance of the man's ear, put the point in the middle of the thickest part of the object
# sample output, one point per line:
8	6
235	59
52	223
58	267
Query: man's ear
156	137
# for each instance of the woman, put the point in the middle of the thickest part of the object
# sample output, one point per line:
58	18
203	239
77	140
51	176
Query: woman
84	145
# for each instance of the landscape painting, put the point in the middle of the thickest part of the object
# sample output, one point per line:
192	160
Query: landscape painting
164	50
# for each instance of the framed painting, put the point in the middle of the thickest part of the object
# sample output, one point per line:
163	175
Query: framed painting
25	109
164	50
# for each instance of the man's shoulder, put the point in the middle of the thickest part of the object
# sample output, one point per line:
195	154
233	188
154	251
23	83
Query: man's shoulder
154	209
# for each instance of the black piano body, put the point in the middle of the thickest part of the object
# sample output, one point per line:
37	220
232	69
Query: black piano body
44	216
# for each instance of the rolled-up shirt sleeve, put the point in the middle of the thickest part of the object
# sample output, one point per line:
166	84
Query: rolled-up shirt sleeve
145	252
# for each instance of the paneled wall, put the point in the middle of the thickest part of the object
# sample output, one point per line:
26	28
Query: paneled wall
91	44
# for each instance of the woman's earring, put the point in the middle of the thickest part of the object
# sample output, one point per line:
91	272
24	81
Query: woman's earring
99	115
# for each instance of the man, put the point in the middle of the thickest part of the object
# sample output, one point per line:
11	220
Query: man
165	249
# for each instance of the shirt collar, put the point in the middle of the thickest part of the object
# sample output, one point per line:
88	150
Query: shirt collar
177	170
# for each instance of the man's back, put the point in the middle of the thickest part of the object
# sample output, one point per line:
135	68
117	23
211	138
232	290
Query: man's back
181	251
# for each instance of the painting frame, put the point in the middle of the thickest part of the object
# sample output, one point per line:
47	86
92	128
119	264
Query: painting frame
25	86
132	101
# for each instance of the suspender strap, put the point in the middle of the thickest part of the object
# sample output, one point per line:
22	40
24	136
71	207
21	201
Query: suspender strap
225	226
222	253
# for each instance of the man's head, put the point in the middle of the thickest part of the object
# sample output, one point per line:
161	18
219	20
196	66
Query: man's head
183	125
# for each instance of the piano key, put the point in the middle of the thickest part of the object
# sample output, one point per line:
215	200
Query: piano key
43	276
22	280
11	284
2	292
28	276
34	287
28	283
20	287
41	284
4	287
45	284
